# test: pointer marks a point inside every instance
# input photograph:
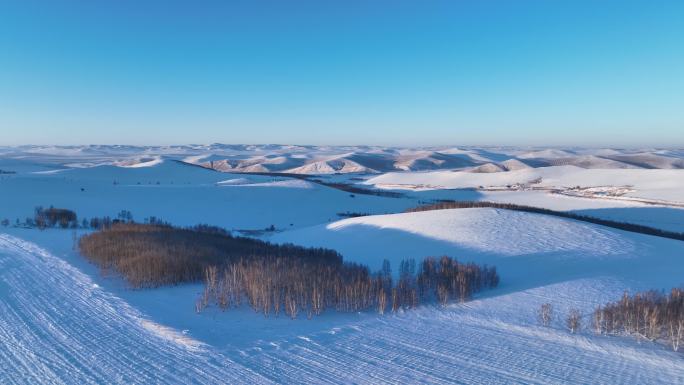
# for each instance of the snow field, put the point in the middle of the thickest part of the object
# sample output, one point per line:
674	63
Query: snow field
661	185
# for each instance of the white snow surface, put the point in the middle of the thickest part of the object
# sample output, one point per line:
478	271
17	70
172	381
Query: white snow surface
58	326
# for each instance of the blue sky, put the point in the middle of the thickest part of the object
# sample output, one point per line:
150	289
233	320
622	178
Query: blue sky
464	72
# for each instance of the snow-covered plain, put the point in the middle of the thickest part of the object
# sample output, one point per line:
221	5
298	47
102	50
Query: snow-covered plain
62	321
658	185
185	195
650	197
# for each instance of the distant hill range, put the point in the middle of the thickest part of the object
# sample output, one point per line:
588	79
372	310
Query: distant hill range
312	160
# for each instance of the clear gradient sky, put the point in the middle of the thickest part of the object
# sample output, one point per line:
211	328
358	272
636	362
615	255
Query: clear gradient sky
394	72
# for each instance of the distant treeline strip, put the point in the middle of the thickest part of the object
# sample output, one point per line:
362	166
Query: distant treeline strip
444	205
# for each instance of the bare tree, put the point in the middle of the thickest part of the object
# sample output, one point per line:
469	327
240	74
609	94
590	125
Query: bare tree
545	314
382	301
599	320
675	318
574	320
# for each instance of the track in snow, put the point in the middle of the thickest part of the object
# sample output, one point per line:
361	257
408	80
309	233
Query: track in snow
57	326
474	343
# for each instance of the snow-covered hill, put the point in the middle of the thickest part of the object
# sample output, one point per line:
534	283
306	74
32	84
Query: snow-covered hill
348	159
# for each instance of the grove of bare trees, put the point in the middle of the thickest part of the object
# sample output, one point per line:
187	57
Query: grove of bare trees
293	286
151	255
650	315
274	279
52	217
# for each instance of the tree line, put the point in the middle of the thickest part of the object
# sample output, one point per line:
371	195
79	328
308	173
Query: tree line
352	214
651	315
53	217
448	204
